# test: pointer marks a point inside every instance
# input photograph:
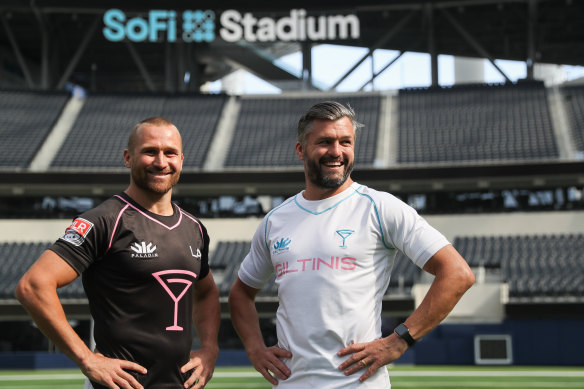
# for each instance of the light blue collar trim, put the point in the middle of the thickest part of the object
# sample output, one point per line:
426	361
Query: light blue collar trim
335	200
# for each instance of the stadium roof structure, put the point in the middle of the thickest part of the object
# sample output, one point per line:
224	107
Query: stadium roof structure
49	44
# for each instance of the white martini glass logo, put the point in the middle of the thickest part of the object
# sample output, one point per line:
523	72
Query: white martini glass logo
165	282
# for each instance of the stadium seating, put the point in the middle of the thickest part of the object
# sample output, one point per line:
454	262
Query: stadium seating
459	124
16	258
475	123
404	274
574	97
534	266
265	132
100	133
26	118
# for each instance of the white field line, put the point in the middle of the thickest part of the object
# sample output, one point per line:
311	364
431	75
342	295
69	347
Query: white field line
416	373
473	384
431	373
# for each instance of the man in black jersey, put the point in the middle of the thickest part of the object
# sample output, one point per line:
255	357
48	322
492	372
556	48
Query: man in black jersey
144	266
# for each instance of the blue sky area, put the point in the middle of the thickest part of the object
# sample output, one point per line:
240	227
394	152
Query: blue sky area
330	62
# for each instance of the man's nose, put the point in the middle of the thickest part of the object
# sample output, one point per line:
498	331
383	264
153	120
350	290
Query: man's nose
160	160
335	149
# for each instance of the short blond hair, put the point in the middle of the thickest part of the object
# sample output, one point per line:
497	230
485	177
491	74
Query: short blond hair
153	121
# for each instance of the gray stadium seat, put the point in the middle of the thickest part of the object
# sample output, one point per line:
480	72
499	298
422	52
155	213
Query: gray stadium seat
16	259
475	123
265	132
574	97
534	266
100	133
26	118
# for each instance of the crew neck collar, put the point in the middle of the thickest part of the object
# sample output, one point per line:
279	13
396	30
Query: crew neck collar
320	206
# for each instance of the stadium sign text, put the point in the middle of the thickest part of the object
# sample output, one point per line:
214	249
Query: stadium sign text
200	26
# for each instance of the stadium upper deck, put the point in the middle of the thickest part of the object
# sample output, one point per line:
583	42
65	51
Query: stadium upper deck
468	137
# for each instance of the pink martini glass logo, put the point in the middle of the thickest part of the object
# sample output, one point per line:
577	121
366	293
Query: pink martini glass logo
178	277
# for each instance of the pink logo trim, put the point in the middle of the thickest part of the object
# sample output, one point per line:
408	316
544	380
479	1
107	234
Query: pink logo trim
165	282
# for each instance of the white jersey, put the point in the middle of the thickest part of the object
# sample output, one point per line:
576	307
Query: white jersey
332	259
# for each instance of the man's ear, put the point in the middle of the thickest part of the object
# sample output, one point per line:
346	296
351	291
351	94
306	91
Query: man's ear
300	151
127	159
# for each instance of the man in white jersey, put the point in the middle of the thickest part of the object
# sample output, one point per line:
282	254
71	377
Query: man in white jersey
332	249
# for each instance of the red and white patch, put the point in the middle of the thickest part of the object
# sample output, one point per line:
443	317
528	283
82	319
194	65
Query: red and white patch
77	231
81	226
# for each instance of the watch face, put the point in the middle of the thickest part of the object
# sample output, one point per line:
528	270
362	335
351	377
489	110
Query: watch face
401	330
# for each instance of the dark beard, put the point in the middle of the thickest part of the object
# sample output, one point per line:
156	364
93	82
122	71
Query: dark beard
316	177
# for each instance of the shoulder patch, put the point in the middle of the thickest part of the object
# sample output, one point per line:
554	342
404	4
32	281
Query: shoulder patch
77	231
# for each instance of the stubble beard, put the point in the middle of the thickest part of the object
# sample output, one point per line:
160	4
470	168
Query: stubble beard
141	180
316	176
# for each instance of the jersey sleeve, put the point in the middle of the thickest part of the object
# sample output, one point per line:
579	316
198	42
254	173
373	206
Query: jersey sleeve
84	241
256	268
410	233
204	253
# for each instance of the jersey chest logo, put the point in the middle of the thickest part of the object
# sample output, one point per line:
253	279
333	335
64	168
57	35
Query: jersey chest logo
281	246
143	250
344	234
176	283
196	254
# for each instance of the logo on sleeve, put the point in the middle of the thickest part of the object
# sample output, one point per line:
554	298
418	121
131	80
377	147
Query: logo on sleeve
77	231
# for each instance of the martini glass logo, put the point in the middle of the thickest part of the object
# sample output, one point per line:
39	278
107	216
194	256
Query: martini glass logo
344	234
166	278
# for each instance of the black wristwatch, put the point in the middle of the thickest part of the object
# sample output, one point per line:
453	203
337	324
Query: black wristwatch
403	332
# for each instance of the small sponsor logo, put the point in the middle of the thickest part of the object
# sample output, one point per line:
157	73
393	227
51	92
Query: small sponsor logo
281	246
197	254
77	231
143	250
344	234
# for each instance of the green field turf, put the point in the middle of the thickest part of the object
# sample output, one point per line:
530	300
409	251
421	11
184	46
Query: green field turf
401	377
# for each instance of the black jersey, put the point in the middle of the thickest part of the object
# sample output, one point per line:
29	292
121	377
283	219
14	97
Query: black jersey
138	270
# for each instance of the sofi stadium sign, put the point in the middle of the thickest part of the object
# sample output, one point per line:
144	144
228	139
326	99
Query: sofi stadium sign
232	26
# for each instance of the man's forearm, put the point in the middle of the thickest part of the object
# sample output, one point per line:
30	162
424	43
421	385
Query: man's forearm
245	319
47	312
452	279
207	317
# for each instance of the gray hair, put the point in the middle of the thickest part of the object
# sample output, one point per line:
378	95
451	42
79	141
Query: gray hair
326	110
